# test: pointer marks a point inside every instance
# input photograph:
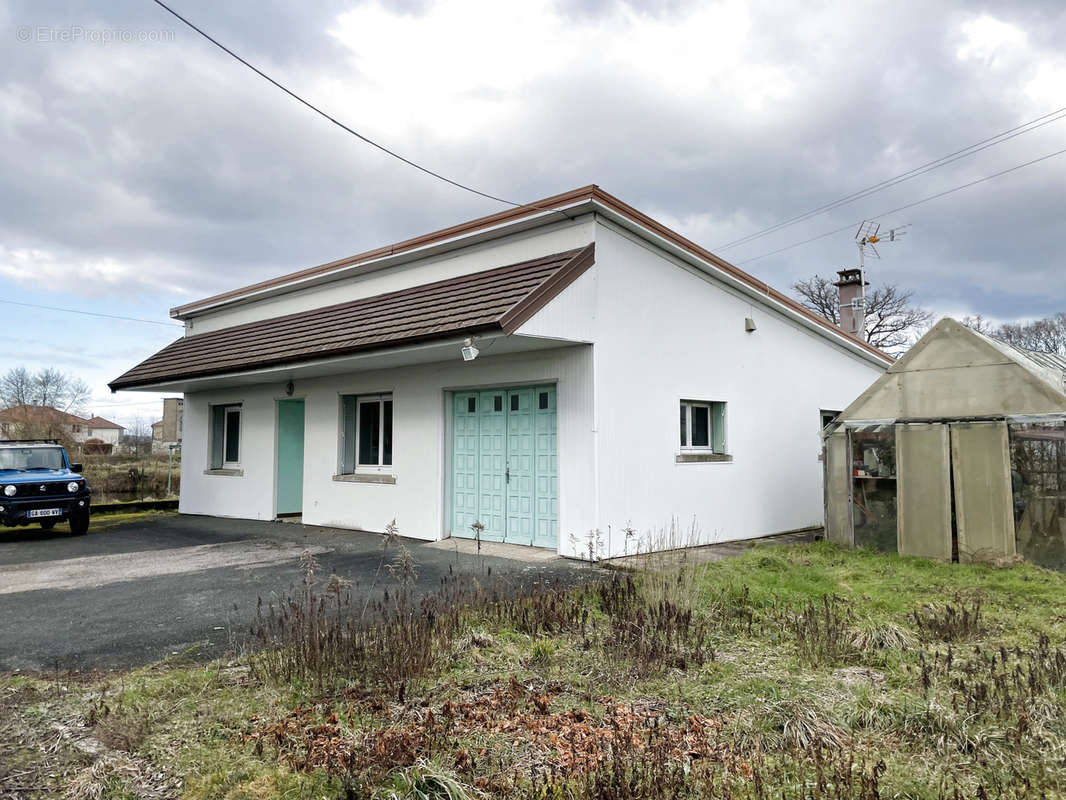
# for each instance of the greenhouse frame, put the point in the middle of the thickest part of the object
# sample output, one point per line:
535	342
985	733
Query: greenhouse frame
958	452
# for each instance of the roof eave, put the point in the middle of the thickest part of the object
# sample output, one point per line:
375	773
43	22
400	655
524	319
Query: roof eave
590	198
157	383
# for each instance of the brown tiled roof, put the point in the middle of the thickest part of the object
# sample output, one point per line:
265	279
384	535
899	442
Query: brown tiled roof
591	193
40	415
100	422
498	299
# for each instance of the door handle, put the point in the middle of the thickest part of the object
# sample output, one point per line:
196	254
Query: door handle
507	474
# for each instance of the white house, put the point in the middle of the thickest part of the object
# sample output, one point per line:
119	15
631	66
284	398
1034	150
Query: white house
550	371
103	429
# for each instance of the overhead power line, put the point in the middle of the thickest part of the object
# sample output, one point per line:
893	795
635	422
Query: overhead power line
888	183
851	225
335	121
92	313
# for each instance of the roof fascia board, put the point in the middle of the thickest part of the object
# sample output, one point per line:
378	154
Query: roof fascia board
745	288
386	257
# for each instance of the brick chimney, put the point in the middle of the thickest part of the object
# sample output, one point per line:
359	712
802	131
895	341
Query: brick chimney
852	301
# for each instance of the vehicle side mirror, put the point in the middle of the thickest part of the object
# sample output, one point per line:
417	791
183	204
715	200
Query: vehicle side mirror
76	467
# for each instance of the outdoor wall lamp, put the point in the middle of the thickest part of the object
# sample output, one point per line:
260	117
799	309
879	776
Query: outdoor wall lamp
469	351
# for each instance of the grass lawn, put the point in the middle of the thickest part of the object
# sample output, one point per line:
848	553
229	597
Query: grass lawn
788	672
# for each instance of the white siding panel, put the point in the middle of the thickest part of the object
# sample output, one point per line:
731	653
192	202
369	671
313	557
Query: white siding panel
571	314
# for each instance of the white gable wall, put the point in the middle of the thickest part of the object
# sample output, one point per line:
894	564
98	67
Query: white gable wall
665	333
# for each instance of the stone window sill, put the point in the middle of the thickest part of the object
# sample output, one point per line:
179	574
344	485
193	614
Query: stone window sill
237	473
366	477
703	458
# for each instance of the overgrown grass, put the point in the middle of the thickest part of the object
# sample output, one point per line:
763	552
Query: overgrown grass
789	672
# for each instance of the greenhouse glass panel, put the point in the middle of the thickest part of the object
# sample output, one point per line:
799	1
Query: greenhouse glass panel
873	487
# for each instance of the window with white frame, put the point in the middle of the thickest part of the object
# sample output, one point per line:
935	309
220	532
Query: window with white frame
226	436
366	432
703	426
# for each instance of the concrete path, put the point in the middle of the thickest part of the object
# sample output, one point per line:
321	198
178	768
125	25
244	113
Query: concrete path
135	593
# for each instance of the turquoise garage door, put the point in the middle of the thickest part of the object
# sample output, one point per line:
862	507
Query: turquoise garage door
504	465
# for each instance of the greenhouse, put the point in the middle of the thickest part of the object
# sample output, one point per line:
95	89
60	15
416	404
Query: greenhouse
957	452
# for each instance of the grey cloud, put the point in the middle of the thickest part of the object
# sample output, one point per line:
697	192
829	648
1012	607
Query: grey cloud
179	158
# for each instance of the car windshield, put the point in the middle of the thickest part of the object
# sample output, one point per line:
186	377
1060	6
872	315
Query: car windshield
27	458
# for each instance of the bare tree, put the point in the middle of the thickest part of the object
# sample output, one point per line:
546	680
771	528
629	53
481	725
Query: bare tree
893	321
16	388
979	323
138	436
1047	335
46	387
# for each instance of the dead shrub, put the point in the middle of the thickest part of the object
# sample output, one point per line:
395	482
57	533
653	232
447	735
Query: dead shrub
123	730
822	631
949	623
887	636
652	633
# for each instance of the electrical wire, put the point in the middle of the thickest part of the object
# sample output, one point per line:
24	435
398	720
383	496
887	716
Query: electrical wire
92	313
335	121
851	226
950	158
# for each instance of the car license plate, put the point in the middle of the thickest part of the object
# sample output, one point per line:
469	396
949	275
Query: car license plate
43	512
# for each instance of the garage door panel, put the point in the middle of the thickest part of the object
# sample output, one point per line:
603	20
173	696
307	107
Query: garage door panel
546	522
464	462
520	466
492	456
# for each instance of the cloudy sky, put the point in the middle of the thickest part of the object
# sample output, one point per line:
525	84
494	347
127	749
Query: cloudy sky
141	168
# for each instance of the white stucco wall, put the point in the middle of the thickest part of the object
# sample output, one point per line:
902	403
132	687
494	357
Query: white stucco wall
109	435
664	334
418	499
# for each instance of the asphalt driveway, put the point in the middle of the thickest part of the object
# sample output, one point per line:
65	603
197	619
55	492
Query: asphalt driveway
182	585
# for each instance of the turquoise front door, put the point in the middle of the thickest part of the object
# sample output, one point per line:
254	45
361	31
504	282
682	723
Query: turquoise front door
504	465
290	474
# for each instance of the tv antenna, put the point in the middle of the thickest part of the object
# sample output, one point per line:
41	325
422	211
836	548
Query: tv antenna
852	283
869	235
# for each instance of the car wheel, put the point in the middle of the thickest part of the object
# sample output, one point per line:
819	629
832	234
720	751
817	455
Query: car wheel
79	523
47	525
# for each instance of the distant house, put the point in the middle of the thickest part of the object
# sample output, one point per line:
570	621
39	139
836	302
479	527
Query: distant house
104	429
166	433
20	422
560	374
